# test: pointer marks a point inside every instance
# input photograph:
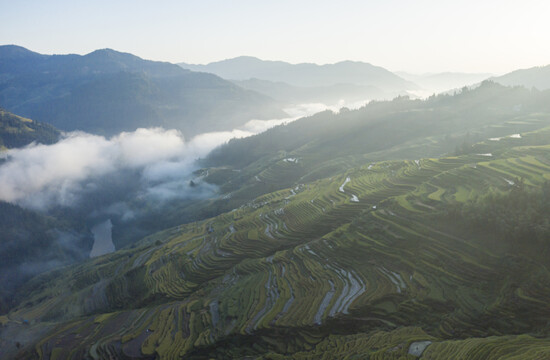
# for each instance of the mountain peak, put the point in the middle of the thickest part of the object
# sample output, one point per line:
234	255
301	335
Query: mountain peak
17	52
107	52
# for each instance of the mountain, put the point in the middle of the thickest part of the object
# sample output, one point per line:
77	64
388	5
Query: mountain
305	74
405	228
440	82
107	92
16	131
16	60
328	143
290	94
33	243
537	77
436	258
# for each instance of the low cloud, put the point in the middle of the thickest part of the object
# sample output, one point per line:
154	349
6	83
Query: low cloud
40	176
113	182
156	164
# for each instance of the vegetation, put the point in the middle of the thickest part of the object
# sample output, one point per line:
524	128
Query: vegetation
16	131
32	243
337	245
107	92
308	272
327	144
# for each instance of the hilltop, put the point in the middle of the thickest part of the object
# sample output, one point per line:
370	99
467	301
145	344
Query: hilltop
17	131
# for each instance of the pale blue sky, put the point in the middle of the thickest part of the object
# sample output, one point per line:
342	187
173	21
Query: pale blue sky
415	36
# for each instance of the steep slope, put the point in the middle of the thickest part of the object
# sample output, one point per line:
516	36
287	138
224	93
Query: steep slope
382	261
328	143
345	72
538	77
107	91
32	243
330	245
16	131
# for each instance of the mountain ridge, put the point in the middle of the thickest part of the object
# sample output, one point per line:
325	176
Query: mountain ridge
537	77
304	74
75	92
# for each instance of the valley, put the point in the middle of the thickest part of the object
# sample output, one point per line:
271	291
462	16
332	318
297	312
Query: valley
379	260
177	198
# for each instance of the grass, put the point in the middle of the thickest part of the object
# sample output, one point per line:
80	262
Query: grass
303	273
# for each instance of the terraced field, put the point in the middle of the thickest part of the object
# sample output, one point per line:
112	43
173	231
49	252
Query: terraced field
371	263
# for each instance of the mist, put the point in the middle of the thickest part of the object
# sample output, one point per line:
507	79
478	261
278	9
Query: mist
41	176
117	190
155	164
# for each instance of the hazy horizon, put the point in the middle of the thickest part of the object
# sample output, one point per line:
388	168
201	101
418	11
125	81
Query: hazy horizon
250	209
427	36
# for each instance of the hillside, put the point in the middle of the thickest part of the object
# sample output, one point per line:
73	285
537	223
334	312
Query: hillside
537	77
325	144
16	131
32	243
305	74
107	92
430	241
385	260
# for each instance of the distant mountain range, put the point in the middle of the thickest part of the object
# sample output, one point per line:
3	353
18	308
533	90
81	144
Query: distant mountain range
537	77
287	93
367	78
108	91
439	82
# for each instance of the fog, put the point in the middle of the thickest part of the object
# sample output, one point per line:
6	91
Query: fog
157	164
116	189
103	241
40	176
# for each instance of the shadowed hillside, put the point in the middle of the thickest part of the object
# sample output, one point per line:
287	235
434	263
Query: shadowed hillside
16	131
107	92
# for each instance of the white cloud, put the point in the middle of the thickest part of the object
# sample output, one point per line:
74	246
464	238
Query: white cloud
147	146
40	176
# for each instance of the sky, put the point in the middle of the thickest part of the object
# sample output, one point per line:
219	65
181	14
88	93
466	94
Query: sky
417	36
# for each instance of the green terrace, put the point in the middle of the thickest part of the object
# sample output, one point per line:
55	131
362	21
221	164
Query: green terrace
380	261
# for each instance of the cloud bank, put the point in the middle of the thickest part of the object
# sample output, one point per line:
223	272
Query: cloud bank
39	176
155	163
